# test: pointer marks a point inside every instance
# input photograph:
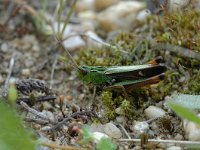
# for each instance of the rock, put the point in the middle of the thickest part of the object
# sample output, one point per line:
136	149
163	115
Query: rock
87	15
72	41
98	135
96	127
112	131
140	127
175	5
4	47
102	4
174	148
178	137
84	5
26	72
192	130
49	115
93	40
154	112
121	119
125	13
118	111
143	15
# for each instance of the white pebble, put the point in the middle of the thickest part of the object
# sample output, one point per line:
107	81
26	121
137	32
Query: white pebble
26	72
192	130
154	112
121	119
139	128
98	135
4	47
118	111
174	148
112	131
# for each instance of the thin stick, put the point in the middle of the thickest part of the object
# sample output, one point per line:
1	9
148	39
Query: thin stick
128	136
52	71
35	112
58	125
12	62
56	146
161	141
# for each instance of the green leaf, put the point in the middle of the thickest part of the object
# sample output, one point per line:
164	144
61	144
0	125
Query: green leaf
13	136
106	144
184	112
87	135
12	94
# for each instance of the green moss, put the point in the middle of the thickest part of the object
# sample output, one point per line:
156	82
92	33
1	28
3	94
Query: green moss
128	110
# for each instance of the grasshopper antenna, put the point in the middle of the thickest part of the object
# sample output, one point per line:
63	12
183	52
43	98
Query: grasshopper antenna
63	47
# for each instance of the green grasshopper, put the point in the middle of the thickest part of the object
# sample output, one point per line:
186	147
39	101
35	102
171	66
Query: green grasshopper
121	77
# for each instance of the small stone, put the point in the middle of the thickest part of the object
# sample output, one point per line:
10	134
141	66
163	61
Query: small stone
49	114
177	5
102	4
120	16
121	119
178	137
84	5
4	47
93	40
97	127
154	112
98	135
192	130
174	148
74	42
112	131
26	72
142	15
118	111
140	127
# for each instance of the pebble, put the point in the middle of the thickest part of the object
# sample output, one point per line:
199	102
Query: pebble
121	119
154	112
178	137
74	42
49	114
125	13
112	131
118	111
174	148
26	72
4	47
143	15
102	4
97	127
175	5
192	130
139	127
84	5
93	40
98	135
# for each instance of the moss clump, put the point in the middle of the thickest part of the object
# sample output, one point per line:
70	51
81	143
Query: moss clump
179	28
108	104
128	110
111	103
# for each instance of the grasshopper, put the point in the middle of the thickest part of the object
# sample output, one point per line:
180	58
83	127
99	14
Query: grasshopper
125	78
